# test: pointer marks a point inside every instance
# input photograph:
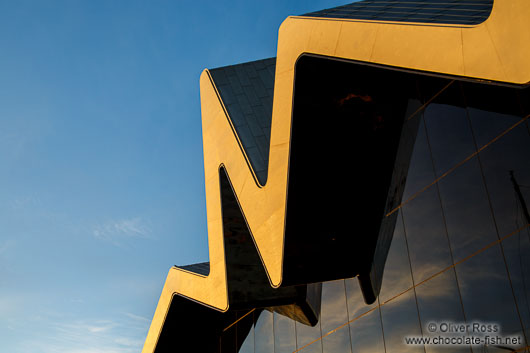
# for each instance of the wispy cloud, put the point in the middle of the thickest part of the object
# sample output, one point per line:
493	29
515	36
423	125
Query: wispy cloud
119	335
137	317
24	202
117	231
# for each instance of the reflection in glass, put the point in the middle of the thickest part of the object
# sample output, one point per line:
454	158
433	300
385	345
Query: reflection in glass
517	252
355	300
486	291
420	172
263	332
400	319
491	110
439	301
334	313
510	153
338	341
245	334
448	130
284	334
306	335
365	329
488	125
426	235
367	333
467	212
396	276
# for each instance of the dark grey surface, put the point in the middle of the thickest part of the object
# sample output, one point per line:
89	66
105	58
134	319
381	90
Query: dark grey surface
468	12
202	268
247	90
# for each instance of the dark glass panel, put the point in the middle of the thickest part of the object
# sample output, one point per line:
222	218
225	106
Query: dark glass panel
517	253
264	332
448	130
439	301
489	125
334	313
426	235
245	334
342	112
524	100
229	338
367	333
306	335
491	110
429	87
467	212
338	341
486	292
511	153
396	276
421	171
284	334
400	319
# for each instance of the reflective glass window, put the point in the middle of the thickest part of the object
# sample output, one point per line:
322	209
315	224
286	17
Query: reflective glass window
506	166
310	337
491	110
426	235
334	314
355	300
284	334
396	276
448	130
245	334
467	211
338	341
367	333
420	173
439	302
400	320
516	251
486	291
365	321
264	331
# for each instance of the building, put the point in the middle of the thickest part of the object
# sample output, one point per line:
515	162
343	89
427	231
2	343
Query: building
366	187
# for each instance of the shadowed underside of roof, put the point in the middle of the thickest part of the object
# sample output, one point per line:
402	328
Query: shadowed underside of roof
247	90
465	12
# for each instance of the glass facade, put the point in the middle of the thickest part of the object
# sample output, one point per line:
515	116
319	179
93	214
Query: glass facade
460	251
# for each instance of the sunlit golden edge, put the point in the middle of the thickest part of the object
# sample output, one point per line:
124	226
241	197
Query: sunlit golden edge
481	250
212	82
421	24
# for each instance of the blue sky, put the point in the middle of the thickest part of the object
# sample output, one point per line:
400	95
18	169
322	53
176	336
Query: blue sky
101	169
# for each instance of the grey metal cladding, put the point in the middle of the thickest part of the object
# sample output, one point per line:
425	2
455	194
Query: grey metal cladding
466	12
247	90
202	268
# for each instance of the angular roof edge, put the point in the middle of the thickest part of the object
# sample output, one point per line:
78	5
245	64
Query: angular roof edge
495	50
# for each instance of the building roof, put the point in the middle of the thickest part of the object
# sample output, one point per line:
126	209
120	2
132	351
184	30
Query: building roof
463	12
247	90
